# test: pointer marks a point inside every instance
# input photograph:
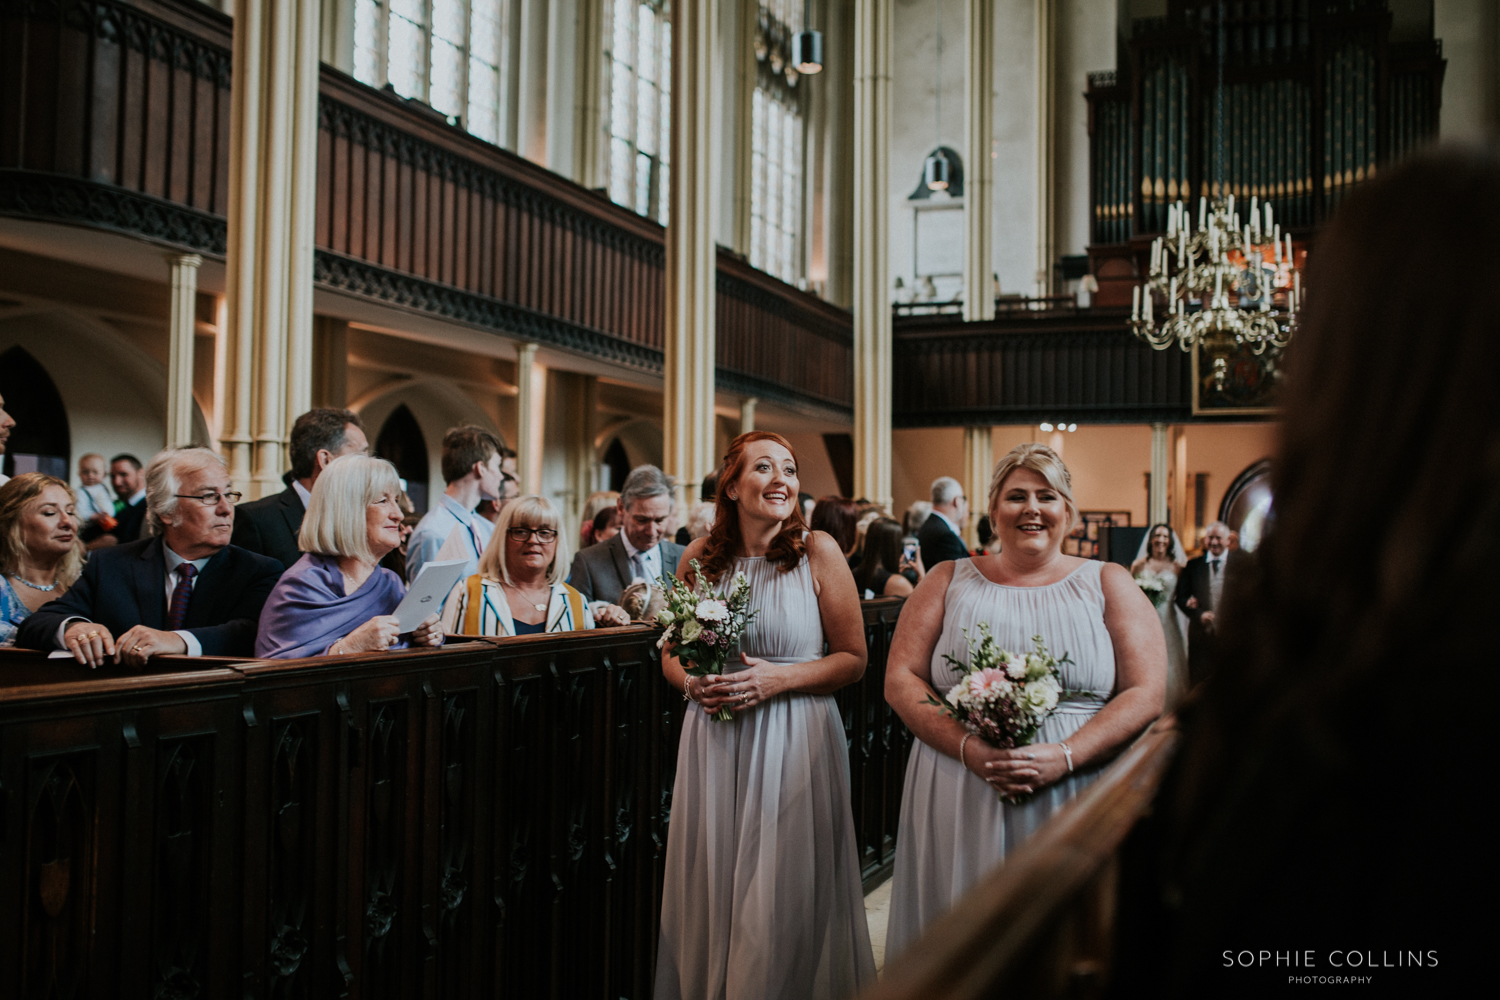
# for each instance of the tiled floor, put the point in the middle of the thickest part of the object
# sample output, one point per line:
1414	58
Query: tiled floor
877	909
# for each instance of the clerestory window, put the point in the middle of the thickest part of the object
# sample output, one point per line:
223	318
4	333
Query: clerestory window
446	53
638	54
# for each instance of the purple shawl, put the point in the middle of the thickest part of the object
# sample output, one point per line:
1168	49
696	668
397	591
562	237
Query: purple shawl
308	611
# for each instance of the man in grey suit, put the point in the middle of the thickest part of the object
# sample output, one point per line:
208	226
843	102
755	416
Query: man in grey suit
640	551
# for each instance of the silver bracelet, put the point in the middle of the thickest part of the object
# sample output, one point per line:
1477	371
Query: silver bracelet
687	689
961	744
1068	752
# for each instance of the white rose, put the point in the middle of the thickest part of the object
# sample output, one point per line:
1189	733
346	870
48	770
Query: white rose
1040	697
1016	669
691	631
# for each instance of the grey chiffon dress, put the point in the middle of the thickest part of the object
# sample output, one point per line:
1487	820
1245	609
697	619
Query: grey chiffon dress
954	827
762	897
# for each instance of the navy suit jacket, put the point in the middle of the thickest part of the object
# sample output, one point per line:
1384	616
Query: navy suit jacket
270	526
602	572
939	543
126	585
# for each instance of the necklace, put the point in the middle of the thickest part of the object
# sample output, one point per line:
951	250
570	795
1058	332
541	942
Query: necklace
35	586
524	597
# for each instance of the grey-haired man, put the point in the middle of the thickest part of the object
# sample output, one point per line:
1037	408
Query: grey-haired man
640	551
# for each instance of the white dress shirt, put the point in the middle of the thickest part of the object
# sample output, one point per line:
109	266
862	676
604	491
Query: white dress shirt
1215	579
303	493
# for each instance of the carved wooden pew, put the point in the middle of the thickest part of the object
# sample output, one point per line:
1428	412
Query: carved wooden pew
488	819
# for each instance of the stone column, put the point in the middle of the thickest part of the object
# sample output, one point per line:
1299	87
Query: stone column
688	403
183	327
1156	499
267	346
979	185
531	130
1180	514
1046	140
747	414
979	462
872	306
531	417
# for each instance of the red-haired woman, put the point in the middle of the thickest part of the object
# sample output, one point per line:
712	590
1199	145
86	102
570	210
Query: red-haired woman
762	895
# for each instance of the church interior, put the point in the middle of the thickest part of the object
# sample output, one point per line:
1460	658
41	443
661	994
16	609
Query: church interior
907	236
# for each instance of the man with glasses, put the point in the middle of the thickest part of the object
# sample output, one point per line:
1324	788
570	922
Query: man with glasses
641	551
941	535
270	525
184	589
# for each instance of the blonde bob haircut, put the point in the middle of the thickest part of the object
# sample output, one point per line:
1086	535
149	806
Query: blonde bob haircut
335	524
525	512
1045	463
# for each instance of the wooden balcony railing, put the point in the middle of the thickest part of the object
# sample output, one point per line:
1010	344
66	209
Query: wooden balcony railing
1043	923
489	819
116	116
1033	366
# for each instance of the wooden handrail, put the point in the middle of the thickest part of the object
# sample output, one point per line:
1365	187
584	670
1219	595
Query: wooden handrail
1009	930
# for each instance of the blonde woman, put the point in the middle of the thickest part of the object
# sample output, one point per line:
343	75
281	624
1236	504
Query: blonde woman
40	554
338	599
519	589
954	827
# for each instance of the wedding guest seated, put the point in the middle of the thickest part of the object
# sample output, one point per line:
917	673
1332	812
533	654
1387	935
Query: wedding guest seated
519	589
40	554
338	599
881	568
700	519
95	504
183	590
916	515
706	491
596	502
270	525
129	483
6	423
607	524
643	549
837	516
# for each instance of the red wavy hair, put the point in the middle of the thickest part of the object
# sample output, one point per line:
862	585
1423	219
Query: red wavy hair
724	539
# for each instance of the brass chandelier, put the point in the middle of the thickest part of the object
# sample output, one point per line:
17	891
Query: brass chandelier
1224	284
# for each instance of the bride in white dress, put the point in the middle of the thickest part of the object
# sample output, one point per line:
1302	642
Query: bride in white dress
1161	553
762	898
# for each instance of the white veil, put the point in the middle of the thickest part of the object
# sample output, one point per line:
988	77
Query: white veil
1179	555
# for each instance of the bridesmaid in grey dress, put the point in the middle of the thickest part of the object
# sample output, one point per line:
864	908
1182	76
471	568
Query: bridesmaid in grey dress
762	897
954	827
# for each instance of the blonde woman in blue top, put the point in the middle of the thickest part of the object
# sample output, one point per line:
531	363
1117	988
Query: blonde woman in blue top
519	589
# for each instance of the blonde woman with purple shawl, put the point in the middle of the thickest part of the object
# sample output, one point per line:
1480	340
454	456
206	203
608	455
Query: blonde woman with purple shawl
337	599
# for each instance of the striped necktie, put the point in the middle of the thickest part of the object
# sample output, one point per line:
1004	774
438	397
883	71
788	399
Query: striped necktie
177	613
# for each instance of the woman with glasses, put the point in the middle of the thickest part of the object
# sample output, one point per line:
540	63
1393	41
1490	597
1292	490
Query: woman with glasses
519	589
337	599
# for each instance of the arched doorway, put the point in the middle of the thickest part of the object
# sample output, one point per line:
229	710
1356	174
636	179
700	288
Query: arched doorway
1246	507
400	442
40	441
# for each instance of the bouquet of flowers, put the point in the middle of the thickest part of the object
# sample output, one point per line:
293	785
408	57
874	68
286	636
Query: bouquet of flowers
1153	584
1002	697
701	626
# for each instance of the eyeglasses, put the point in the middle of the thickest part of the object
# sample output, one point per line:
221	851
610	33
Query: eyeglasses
543	535
212	497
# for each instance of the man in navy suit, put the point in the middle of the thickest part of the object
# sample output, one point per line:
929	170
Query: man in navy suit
184	590
941	535
270	525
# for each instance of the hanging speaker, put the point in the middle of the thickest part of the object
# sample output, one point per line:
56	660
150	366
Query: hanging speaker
807	52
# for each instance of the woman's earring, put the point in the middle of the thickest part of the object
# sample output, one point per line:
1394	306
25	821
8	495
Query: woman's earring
733	497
